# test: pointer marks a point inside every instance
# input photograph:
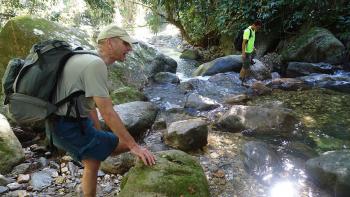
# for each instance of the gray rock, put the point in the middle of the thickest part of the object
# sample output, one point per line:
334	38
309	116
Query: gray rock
23	178
191	54
54	165
40	180
260	159
339	82
297	69
137	116
331	169
100	173
19	193
236	99
118	164
161	63
160	180
15	186
3	189
52	172
43	162
4	180
316	45
199	102
260	119
187	134
232	63
73	169
21	169
166	77
10	148
220	65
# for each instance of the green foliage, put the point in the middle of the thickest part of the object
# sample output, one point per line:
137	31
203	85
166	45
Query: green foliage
101	11
205	19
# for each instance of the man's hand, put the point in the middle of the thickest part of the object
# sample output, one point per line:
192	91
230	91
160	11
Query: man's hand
144	154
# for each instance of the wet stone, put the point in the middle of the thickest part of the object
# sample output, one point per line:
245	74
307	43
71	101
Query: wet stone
23	178
4	180
14	186
43	162
21	169
3	189
41	180
54	165
72	168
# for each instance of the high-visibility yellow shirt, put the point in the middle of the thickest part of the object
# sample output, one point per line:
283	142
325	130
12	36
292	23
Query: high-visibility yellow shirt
250	44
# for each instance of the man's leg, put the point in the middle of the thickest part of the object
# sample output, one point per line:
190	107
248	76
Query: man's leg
89	180
243	74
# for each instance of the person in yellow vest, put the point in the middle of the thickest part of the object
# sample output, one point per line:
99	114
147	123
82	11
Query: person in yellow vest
248	49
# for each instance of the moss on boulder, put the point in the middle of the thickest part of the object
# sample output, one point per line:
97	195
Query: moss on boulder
175	174
126	94
10	148
316	45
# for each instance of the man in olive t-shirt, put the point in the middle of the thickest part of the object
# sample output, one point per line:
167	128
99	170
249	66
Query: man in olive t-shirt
248	49
80	134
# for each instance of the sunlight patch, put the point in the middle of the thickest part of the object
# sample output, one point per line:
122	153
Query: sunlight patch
38	32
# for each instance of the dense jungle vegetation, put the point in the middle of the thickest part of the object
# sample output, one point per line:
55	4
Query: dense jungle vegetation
201	22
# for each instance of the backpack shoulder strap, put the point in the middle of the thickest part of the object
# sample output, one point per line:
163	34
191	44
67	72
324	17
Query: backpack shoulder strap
250	32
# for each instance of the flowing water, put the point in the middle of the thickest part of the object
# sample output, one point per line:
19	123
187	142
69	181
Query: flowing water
324	125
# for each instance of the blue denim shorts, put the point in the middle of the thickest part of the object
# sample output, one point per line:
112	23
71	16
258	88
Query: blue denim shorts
90	144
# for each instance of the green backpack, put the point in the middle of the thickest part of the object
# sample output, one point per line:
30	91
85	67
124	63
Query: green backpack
29	85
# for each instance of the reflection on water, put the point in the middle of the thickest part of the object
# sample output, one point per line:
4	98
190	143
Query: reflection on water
284	188
324	114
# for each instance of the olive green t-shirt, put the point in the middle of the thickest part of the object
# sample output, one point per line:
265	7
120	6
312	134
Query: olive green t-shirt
250	45
82	72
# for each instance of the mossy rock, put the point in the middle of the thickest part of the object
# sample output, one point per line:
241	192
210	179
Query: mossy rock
21	32
126	94
316	45
191	54
10	148
175	174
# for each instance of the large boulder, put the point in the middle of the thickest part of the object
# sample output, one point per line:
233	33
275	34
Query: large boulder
232	63
118	164
316	45
10	148
187	134
220	65
331	169
140	65
166	77
199	102
297	69
175	174
261	120
21	32
339	82
191	54
137	116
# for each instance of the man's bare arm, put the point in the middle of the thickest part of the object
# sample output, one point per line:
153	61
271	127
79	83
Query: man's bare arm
94	117
244	44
